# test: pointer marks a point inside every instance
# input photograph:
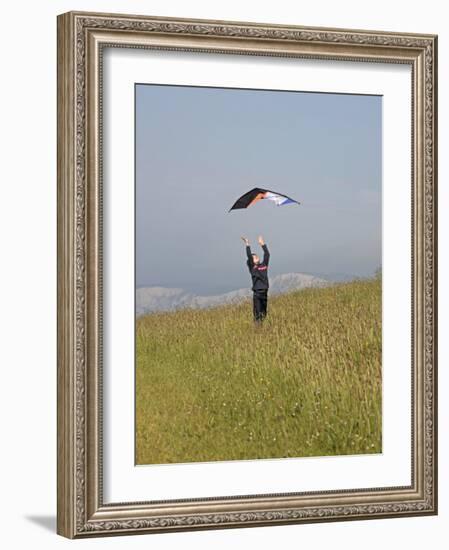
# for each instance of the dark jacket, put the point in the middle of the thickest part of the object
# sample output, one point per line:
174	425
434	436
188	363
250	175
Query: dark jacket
259	272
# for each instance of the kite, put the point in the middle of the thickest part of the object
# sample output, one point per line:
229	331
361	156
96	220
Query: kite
257	194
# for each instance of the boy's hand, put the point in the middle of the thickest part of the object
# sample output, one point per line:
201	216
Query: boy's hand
245	240
261	241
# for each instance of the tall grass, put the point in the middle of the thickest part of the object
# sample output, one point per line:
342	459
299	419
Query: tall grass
210	385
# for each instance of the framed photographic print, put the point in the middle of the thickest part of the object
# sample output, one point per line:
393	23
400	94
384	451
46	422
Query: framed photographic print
247	274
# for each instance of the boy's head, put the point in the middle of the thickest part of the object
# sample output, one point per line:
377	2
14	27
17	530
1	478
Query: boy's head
256	259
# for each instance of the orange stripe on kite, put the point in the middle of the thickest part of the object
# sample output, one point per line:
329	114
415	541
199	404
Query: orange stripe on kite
257	198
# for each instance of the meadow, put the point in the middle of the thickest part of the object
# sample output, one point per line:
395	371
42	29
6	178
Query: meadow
210	385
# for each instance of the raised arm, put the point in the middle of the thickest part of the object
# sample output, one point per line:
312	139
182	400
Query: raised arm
266	253
250	262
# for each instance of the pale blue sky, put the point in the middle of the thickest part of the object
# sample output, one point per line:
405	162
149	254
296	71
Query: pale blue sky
199	149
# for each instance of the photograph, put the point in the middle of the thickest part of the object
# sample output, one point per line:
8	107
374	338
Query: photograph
258	274
247	278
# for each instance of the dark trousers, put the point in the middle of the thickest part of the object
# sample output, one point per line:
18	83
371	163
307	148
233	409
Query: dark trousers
260	299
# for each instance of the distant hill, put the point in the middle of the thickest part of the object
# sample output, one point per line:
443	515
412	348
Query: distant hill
156	298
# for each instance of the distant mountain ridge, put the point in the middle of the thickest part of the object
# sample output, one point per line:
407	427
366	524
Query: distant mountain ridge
156	298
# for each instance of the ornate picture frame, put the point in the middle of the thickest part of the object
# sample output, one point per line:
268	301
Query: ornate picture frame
82	38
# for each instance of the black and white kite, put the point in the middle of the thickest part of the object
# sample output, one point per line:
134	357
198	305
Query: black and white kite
257	194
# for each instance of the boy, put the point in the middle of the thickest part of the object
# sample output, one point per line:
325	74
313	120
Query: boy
259	276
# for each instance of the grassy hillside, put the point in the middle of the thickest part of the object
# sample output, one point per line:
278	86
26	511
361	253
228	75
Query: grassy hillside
212	386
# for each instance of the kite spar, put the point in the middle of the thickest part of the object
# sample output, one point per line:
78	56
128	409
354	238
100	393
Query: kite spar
257	194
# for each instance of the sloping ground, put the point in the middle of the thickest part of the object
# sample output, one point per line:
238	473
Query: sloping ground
212	386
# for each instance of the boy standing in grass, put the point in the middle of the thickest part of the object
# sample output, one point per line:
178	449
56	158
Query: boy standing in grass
259	276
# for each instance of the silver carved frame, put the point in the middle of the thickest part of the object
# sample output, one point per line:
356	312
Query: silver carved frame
81	39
